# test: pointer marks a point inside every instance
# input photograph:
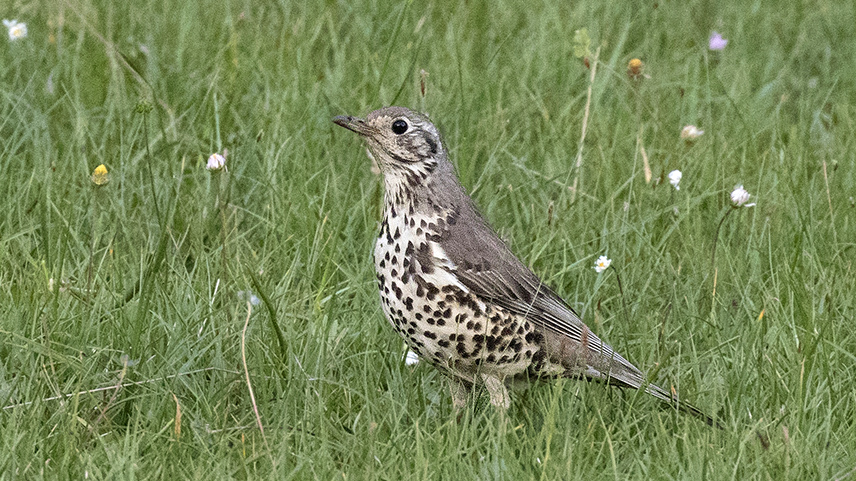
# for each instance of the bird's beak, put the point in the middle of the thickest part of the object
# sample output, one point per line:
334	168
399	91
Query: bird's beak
354	124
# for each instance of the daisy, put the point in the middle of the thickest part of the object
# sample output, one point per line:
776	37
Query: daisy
601	264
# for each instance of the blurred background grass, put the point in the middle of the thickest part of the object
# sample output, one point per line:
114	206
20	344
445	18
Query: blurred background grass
122	306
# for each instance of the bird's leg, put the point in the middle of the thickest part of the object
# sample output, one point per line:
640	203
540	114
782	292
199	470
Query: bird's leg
498	392
460	393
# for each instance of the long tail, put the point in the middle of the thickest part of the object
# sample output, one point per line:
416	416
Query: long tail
681	405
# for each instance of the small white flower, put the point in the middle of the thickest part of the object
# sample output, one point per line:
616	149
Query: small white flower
740	197
249	296
411	358
216	162
17	30
691	132
601	264
675	178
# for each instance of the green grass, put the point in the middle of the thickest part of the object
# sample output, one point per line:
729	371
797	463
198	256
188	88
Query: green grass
145	317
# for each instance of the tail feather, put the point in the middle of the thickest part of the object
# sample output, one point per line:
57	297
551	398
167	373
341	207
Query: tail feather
624	374
681	405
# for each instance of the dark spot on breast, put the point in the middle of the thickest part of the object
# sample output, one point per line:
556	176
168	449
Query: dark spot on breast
443	343
533	337
430	335
412	179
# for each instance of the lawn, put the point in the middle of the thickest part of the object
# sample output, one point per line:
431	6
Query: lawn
167	321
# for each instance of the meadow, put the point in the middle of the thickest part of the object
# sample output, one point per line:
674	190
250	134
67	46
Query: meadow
166	321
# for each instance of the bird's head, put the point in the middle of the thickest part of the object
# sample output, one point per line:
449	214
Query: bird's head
401	140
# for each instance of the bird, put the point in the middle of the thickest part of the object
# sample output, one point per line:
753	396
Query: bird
455	291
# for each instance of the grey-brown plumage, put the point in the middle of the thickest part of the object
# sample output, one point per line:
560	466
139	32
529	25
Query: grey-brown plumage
453	289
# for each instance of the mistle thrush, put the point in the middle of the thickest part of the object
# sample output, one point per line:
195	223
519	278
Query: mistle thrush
456	293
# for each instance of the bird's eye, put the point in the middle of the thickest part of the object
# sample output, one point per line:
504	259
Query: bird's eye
399	127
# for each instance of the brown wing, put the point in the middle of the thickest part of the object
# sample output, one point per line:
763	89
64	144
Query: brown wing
485	265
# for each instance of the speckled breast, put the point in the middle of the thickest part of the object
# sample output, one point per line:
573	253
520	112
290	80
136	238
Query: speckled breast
436	314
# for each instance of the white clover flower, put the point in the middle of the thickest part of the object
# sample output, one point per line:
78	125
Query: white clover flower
17	30
740	197
411	358
691	132
601	264
675	178
216	162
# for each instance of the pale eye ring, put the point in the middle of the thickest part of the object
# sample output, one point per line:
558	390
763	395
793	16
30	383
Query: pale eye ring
399	127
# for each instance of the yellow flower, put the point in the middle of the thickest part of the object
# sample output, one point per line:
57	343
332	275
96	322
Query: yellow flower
634	68
99	176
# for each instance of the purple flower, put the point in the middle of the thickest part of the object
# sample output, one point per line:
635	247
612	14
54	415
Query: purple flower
716	41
